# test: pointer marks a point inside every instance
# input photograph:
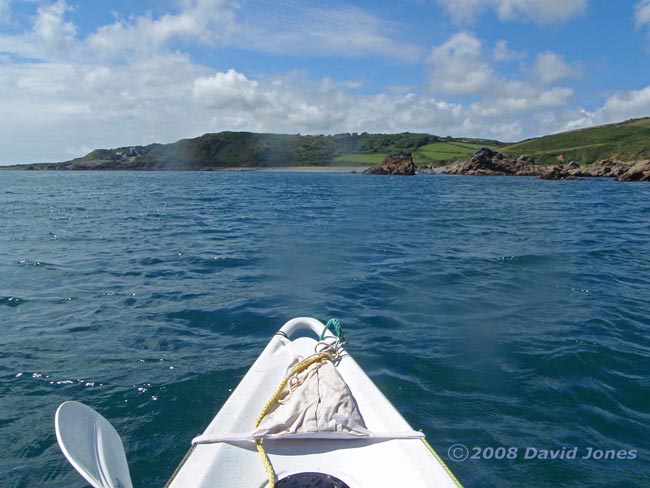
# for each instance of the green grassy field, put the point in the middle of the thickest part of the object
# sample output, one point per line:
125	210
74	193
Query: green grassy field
430	153
625	141
444	151
357	159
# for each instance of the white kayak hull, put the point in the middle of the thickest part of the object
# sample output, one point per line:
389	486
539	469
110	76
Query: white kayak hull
360	463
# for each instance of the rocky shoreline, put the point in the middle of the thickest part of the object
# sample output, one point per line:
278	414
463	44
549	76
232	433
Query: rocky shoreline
487	162
394	164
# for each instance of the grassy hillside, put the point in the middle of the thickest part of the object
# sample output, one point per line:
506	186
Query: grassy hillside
625	141
246	149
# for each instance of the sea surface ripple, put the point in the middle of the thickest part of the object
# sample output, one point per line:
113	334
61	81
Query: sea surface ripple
493	312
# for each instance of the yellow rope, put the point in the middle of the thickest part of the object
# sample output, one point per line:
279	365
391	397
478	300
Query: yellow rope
442	463
267	464
330	355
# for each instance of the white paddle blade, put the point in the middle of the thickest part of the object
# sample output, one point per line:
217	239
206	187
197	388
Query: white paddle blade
92	445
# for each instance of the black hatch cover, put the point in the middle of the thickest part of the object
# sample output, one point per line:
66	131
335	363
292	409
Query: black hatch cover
311	480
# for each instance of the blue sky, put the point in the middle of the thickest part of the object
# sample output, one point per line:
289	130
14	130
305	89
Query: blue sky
79	75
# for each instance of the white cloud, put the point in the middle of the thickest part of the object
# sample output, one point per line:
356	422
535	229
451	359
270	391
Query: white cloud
51	29
229	90
617	107
204	21
291	103
50	36
423	113
506	105
539	11
503	53
458	66
500	106
322	31
40	79
544	11
305	30
90	104
550	67
624	105
642	13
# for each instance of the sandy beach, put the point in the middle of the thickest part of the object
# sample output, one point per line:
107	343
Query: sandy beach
313	169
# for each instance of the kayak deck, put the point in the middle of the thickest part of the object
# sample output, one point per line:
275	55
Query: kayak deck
357	462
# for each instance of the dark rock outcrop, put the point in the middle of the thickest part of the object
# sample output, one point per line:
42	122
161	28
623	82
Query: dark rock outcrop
485	161
602	168
621	170
394	164
557	173
639	171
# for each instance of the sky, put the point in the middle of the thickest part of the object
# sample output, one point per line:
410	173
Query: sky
86	74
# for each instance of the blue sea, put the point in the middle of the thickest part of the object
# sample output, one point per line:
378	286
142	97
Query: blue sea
507	315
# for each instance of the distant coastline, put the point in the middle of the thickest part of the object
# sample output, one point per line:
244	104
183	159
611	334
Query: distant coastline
615	147
234	150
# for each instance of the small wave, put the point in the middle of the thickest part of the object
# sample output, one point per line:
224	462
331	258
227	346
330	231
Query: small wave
524	259
150	261
11	301
206	264
28	263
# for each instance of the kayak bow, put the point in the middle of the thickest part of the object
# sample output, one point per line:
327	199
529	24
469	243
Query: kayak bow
326	425
383	451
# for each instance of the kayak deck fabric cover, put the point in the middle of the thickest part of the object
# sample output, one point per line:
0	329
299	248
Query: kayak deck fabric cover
325	417
315	400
